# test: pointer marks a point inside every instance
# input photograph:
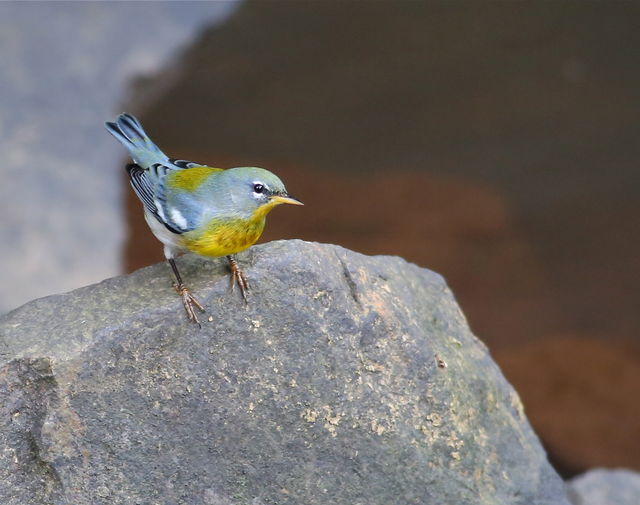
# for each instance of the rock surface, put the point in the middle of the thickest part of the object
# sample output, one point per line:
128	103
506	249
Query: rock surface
606	487
347	380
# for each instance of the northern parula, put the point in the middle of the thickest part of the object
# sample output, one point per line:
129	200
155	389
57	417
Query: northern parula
193	207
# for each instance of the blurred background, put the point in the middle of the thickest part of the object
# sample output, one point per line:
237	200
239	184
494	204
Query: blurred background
495	143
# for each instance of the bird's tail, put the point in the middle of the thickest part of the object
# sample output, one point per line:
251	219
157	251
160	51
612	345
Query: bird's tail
128	130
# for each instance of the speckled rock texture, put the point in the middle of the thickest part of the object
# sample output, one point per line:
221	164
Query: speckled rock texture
346	380
605	487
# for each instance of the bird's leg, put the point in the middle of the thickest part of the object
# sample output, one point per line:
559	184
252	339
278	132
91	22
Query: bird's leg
188	300
238	277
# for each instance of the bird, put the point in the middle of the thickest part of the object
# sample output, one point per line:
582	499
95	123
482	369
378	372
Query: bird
196	208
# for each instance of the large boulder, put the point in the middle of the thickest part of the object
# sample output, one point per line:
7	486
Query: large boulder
346	380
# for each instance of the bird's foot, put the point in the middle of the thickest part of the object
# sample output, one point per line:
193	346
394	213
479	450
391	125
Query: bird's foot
189	301
237	277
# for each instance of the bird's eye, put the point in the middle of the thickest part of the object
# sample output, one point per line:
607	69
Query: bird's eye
258	188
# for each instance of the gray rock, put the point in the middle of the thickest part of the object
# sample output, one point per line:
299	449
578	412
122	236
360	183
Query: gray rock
55	150
347	380
605	487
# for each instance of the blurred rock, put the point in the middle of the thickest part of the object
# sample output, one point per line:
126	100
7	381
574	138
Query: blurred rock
347	379
580	395
605	487
64	70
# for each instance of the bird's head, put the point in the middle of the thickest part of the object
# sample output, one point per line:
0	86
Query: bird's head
255	191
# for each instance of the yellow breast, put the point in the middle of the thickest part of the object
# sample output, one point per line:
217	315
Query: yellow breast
223	237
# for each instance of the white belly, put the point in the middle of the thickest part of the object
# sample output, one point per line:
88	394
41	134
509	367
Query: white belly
170	240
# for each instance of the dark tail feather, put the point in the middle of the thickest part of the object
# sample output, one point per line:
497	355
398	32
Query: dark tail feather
115	130
131	128
128	130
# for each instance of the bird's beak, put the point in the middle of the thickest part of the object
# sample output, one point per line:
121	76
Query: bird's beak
284	198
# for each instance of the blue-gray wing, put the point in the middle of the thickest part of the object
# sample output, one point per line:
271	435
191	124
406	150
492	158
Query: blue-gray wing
148	185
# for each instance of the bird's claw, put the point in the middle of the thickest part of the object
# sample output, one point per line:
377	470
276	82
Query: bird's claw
237	277
189	301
